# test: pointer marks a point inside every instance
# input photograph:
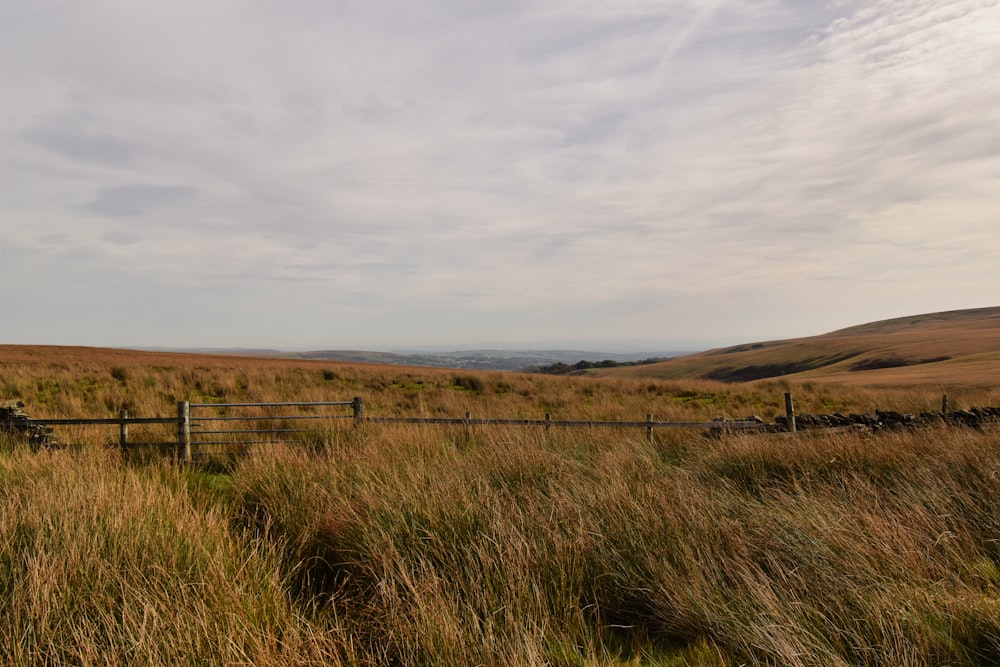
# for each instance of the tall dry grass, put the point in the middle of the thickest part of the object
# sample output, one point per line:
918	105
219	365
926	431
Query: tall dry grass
515	549
418	545
107	564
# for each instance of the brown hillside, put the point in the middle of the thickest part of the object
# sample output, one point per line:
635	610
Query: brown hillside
955	347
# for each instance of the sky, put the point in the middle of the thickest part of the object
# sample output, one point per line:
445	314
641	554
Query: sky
595	174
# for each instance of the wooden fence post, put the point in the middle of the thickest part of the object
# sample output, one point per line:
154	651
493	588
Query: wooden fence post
548	422
790	412
359	410
184	431
649	429
123	431
944	404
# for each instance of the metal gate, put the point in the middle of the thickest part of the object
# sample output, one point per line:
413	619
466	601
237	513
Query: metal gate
237	428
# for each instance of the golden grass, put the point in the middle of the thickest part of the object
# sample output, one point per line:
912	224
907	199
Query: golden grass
517	549
415	545
63	382
101	563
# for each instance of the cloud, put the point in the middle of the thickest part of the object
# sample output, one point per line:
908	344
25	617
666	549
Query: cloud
493	159
121	237
133	200
69	140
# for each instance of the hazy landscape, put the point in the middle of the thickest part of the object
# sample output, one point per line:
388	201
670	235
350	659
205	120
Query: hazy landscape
930	348
410	544
487	360
564	333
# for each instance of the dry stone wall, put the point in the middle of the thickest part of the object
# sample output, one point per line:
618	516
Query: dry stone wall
16	423
888	419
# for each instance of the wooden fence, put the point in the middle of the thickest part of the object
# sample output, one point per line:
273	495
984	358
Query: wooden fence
204	429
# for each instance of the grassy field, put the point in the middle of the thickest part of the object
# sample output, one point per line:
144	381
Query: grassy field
424	546
58	382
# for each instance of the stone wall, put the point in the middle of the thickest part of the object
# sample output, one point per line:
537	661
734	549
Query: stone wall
973	417
16	423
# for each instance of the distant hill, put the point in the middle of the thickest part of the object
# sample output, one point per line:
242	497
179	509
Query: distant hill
490	360
485	360
960	346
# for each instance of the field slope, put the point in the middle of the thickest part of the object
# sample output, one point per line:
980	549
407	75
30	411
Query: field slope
961	346
403	544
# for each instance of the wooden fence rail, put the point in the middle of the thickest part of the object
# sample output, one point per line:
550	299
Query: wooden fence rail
105	422
560	423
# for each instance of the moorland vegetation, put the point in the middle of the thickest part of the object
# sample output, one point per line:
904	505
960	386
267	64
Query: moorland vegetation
958	347
415	545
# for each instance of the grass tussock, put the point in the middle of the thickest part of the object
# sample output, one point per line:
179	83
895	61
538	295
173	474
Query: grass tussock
418	547
518	550
105	564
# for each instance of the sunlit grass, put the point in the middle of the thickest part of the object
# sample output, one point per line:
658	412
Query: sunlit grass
406	544
518	549
102	563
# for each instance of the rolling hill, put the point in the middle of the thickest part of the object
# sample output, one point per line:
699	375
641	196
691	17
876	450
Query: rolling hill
961	346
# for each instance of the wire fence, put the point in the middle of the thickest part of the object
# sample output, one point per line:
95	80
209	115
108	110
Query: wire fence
201	430
208	429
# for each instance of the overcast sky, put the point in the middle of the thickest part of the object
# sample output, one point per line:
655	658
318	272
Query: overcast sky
381	174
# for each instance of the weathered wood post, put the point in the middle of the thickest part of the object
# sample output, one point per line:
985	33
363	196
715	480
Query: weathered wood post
123	431
548	422
944	404
649	429
359	410
790	412
184	431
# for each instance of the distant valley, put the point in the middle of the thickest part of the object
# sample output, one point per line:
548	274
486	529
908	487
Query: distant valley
487	360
